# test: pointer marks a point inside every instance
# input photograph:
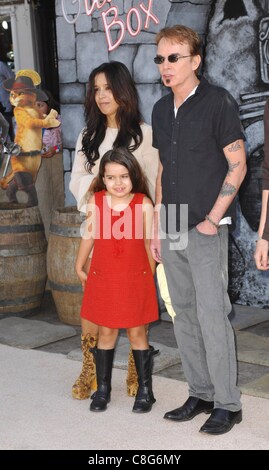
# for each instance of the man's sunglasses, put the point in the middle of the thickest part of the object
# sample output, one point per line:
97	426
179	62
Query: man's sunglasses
159	59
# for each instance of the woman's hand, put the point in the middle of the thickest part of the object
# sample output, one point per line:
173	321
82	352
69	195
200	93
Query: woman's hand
261	255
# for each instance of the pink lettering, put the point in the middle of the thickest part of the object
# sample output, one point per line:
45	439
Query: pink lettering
114	22
149	14
111	19
73	20
94	4
131	31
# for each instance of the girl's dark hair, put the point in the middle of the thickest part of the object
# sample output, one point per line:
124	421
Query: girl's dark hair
51	101
128	114
124	157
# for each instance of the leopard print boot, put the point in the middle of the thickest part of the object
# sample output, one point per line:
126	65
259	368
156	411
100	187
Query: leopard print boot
131	380
86	383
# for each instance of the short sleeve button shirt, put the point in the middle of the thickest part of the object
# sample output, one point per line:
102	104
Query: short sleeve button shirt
191	147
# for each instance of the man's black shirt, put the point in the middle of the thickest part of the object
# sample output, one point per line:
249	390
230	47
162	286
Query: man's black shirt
191	148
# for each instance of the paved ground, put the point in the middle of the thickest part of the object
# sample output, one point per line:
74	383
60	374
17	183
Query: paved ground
160	332
38	411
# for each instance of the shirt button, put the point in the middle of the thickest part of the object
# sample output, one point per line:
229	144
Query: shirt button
173	162
173	182
175	142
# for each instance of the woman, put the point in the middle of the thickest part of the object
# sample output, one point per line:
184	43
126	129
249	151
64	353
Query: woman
262	246
113	119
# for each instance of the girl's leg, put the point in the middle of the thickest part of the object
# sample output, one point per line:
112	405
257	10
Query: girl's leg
87	327
138	337
107	337
104	355
143	357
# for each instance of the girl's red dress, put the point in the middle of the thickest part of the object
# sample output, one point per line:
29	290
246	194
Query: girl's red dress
120	290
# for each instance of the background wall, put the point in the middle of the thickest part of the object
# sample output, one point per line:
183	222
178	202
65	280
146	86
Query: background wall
236	56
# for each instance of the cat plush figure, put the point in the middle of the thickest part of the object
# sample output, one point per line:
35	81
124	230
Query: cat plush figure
29	124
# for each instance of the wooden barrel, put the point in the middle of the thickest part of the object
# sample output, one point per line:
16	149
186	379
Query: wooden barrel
23	248
64	239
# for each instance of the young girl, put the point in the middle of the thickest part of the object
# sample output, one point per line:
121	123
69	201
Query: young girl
119	290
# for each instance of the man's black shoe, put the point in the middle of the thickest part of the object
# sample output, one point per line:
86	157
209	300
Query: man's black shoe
221	421
192	407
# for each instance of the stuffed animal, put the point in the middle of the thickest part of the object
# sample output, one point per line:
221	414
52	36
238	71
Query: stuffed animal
29	124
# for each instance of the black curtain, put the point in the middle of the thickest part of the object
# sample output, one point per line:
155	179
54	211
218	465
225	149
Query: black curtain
46	45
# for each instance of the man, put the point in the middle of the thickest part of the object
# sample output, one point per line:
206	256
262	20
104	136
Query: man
199	136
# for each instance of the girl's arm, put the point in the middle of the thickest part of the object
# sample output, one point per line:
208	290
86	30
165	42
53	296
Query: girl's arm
87	242
147	230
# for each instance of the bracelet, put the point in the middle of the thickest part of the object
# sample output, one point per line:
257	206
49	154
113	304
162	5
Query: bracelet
259	238
211	221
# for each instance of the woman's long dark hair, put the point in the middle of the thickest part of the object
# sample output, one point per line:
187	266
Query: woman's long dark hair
128	114
123	157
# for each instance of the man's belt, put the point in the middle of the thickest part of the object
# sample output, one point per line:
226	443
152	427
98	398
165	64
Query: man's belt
32	153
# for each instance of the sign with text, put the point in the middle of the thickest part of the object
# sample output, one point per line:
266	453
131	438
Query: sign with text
141	16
